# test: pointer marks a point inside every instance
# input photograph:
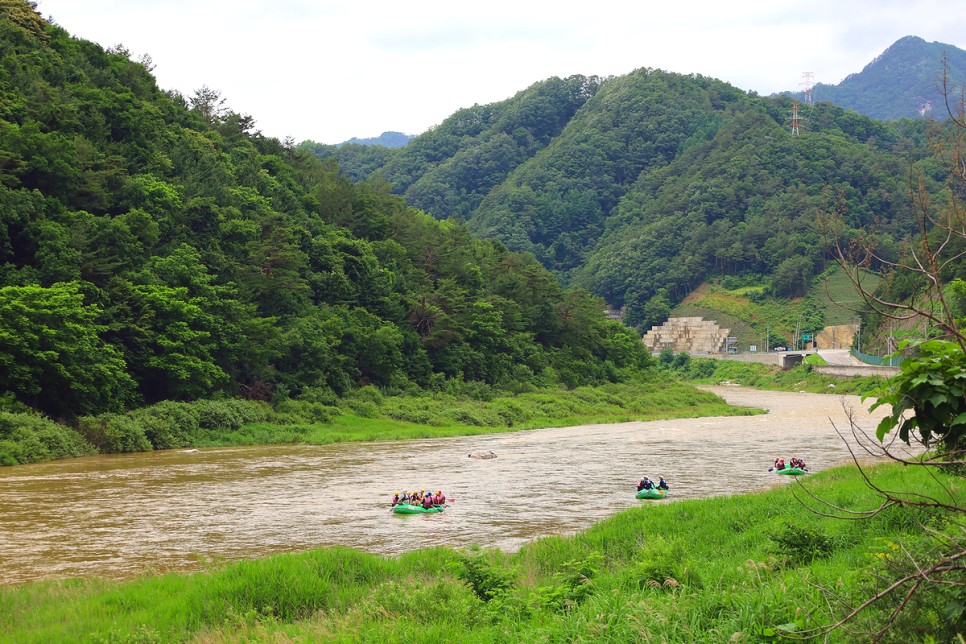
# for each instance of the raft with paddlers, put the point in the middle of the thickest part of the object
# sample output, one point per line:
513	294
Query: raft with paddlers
795	466
405	508
421	502
647	489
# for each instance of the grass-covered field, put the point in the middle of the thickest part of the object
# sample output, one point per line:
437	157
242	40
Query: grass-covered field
728	569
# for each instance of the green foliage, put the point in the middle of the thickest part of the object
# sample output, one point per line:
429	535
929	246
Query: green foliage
573	583
662	564
445	600
801	542
169	424
931	384
487	579
49	341
114	433
32	438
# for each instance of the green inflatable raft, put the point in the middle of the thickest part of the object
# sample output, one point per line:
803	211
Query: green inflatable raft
651	494
405	508
791	471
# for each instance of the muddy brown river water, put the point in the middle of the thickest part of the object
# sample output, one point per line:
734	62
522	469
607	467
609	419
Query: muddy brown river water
120	516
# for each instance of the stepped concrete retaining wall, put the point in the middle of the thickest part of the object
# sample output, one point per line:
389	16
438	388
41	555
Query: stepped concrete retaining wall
691	334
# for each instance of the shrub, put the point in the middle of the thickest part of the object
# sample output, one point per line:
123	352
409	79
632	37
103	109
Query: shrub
168	424
229	414
510	411
486	579
477	417
802	543
573	584
30	437
367	394
662	565
303	411
361	408
401	599
114	433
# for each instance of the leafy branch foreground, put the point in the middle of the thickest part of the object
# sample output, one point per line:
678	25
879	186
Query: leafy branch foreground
747	568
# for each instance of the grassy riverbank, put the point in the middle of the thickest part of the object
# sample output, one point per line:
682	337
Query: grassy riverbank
739	568
369	416
365	415
761	376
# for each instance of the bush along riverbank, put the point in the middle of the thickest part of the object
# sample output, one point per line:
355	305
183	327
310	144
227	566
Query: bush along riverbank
746	568
364	415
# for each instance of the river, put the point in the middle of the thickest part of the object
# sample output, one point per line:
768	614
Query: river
119	516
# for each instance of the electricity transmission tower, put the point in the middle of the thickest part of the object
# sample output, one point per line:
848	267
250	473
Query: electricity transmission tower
795	118
808	80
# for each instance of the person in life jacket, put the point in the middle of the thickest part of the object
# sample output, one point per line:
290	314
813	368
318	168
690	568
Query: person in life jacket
645	484
779	463
662	484
440	498
428	501
396	500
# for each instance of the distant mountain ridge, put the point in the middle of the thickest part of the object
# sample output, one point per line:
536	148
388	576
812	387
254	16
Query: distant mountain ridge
386	139
905	81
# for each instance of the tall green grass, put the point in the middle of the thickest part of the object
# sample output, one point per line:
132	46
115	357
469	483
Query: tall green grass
741	568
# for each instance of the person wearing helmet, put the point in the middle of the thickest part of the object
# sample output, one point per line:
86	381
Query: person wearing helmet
440	498
645	484
396	500
427	501
662	484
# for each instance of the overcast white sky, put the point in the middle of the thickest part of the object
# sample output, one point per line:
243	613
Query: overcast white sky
328	71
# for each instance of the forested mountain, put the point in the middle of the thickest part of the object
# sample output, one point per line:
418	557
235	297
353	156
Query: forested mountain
386	140
157	247
904	82
449	169
643	185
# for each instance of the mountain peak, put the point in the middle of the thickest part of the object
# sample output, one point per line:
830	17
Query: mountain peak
904	81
